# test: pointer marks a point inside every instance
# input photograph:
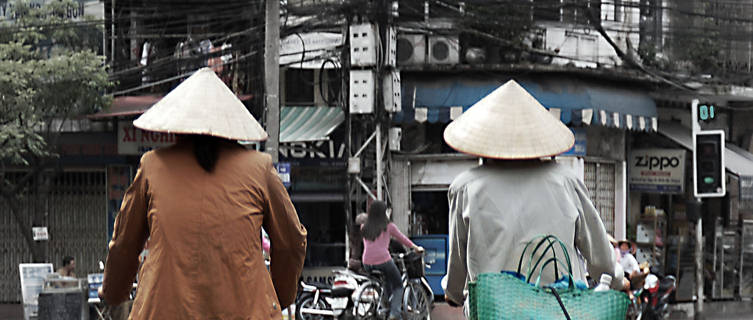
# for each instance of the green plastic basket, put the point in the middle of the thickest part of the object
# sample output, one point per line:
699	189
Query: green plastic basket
508	296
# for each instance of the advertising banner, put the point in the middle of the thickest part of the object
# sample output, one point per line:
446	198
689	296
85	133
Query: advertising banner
132	140
657	170
32	283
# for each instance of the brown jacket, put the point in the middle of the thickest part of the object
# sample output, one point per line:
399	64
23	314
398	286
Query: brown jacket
205	258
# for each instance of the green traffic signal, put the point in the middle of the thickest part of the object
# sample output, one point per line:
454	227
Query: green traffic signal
706	112
708	180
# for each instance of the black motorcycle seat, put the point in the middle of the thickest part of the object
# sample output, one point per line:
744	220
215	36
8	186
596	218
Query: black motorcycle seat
320	285
341	292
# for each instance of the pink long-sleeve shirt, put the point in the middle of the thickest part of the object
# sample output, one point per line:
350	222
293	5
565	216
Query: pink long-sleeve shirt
377	251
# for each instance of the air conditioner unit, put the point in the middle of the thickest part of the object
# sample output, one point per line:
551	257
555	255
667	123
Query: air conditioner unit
363	44
411	49
444	49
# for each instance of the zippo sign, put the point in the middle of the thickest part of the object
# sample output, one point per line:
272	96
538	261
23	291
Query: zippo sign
132	140
657	170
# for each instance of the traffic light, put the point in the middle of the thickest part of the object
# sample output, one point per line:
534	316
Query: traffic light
708	164
706	112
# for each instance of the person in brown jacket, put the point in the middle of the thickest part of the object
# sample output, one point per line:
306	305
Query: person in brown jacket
202	203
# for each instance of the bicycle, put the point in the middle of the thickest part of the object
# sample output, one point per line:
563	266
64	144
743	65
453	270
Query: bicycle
371	302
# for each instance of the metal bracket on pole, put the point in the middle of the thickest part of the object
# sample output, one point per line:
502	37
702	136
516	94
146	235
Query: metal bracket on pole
387	190
365	144
366	188
379	164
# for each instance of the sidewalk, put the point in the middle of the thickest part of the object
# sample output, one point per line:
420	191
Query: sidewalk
11	311
442	311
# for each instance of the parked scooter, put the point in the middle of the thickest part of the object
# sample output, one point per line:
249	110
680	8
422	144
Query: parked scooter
356	296
322	301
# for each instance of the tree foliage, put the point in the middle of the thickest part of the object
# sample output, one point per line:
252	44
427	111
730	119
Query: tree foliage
48	71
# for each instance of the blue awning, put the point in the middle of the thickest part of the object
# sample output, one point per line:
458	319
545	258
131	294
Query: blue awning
575	101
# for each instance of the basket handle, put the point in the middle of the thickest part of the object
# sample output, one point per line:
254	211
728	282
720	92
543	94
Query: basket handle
556	261
551	240
533	269
541	239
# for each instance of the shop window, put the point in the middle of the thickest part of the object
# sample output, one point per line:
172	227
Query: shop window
430	213
546	10
325	224
599	179
310	87
565	11
299	87
316	176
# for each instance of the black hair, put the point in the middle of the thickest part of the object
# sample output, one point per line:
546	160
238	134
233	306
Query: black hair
206	150
377	221
67	260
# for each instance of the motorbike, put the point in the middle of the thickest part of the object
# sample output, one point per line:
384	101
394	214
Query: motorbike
652	300
656	296
320	301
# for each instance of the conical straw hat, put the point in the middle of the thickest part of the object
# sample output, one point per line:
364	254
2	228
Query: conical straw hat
509	124
202	104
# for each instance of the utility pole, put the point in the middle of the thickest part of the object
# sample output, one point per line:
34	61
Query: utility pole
695	127
272	77
382	117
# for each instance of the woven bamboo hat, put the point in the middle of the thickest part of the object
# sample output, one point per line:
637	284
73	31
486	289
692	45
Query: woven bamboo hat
202	104
510	124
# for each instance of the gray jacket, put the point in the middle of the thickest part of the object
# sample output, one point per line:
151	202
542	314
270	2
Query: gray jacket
496	208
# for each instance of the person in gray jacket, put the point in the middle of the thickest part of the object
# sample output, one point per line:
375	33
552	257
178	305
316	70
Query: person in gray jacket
518	193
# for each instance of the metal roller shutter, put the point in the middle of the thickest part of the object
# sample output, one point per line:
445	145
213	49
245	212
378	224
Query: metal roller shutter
599	179
77	224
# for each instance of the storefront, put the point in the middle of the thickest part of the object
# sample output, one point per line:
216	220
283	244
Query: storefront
317	180
312	165
601	116
663	215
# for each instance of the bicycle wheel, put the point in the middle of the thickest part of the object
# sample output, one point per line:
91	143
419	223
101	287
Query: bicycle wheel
416	303
367	302
308	303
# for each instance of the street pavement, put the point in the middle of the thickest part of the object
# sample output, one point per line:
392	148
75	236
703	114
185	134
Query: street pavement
734	310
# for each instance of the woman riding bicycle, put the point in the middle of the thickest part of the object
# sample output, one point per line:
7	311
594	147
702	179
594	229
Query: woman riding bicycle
377	232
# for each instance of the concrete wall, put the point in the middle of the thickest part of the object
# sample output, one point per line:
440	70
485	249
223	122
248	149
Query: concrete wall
607	143
742	130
